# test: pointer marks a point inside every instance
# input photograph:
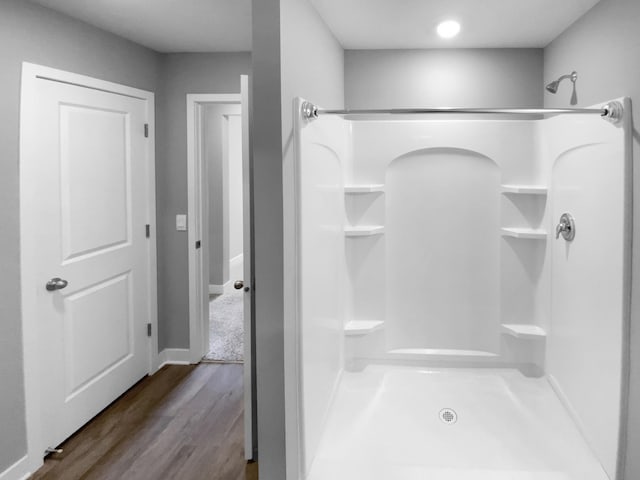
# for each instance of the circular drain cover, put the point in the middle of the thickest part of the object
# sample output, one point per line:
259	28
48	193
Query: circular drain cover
448	415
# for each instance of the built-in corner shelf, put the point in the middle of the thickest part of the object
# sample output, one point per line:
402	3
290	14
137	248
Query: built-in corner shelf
364	188
525	233
524	189
363	230
523	331
362	327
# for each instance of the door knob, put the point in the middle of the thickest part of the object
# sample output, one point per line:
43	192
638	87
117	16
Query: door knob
56	284
239	284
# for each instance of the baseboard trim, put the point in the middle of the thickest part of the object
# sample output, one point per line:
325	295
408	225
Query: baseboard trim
17	471
219	289
173	356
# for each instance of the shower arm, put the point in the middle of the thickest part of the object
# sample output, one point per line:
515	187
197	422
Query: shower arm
573	76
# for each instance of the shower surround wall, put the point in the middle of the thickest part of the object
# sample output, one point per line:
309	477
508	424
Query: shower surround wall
590	173
435	237
440	252
322	275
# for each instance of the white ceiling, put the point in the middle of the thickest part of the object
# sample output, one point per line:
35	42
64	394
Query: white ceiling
225	25
386	24
168	25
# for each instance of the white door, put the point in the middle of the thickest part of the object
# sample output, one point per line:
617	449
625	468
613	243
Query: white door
88	205
250	440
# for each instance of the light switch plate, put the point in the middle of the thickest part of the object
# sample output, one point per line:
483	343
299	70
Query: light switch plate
181	223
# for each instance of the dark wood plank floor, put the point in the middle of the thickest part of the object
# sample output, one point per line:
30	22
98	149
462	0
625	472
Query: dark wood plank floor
183	423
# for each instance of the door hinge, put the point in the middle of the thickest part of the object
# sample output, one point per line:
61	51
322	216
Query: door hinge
198	243
146	130
148	329
147	230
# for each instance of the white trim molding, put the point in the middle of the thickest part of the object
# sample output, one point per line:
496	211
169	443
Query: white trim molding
174	356
197	227
219	289
295	459
17	471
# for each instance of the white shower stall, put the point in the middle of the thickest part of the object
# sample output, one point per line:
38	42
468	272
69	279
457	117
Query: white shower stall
447	329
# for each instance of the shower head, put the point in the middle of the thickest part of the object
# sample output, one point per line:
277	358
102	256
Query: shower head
553	86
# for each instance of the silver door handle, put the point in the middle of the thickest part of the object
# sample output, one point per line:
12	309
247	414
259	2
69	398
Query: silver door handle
56	284
239	284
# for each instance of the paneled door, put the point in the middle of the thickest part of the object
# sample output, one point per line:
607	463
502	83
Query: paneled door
89	197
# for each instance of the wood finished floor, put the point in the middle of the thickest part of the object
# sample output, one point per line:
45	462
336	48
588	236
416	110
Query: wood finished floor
183	423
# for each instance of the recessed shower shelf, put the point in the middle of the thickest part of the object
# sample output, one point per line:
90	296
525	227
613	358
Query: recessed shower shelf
525	189
523	331
525	233
362	327
369	188
364	231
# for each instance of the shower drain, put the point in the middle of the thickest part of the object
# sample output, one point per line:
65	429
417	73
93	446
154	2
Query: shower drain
448	415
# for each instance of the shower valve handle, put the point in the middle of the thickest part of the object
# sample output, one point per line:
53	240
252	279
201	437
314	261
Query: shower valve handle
566	227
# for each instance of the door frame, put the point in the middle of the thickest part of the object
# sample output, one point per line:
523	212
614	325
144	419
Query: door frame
31	74
196	172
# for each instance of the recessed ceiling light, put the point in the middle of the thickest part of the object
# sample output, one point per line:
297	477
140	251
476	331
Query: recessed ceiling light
448	29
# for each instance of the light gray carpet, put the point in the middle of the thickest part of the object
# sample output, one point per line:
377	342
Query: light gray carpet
226	329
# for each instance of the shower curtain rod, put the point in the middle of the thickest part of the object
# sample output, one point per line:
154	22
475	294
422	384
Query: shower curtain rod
611	111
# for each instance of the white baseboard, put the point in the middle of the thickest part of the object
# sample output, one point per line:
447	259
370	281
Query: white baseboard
17	471
219	289
235	272
173	356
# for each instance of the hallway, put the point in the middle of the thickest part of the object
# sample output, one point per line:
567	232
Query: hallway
184	422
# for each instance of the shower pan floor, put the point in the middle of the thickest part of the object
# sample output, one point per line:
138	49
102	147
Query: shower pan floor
386	423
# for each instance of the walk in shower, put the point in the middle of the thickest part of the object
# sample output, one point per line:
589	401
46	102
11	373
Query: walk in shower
463	292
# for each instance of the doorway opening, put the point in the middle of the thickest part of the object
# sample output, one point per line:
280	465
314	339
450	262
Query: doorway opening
222	155
219	236
211	120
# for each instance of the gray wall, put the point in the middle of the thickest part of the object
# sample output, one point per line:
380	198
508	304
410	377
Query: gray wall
443	78
286	35
266	155
35	34
604	48
181	74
